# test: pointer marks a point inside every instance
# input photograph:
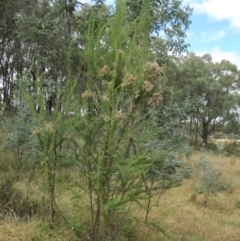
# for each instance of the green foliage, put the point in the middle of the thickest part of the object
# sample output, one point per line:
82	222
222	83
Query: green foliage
168	17
19	134
237	204
14	202
210	182
212	147
172	117
6	190
211	87
232	148
187	172
219	135
162	176
114	152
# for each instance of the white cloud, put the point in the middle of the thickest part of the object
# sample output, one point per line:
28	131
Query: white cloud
218	55
216	36
209	37
189	34
219	10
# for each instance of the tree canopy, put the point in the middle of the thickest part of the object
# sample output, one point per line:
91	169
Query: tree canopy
212	88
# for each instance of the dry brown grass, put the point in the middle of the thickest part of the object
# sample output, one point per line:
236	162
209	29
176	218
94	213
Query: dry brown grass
15	230
186	220
7	113
181	218
31	230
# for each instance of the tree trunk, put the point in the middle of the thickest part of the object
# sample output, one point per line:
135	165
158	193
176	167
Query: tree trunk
196	133
190	131
6	98
205	134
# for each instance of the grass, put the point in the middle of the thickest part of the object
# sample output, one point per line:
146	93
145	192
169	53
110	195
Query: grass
7	112
14	229
186	220
181	216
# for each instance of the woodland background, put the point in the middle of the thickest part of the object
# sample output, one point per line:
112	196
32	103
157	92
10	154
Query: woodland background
110	129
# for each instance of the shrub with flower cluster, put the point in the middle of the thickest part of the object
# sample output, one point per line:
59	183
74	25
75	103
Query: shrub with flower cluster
115	128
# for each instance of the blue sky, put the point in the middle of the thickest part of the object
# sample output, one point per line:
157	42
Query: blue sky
215	28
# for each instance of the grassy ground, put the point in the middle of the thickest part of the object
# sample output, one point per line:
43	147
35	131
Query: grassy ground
7	112
190	220
178	213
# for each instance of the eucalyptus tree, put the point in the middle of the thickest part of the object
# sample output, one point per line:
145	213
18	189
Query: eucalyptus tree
36	36
212	87
48	33
169	21
10	55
